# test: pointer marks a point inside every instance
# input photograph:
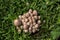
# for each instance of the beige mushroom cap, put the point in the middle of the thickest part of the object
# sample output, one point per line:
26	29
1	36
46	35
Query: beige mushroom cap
36	26
34	12
30	29
39	17
35	17
30	11
25	31
16	22
25	27
27	15
34	30
38	21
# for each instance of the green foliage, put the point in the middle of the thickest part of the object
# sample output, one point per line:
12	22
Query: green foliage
49	10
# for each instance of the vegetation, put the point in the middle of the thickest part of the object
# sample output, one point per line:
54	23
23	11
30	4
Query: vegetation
49	10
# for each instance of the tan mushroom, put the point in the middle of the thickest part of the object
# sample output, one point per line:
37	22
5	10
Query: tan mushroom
38	17
36	26
38	21
35	12
30	29
30	11
25	27
35	17
34	30
17	22
25	31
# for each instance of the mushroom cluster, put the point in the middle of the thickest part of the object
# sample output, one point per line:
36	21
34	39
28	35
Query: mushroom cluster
28	22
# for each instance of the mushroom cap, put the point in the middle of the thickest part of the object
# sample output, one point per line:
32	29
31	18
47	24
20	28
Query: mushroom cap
35	17
34	12
36	26
20	16
25	27
34	23
23	17
33	20
38	17
38	21
17	27
24	23
23	20
30	11
28	23
34	30
19	30
21	27
17	22
30	29
27	15
25	31
26	20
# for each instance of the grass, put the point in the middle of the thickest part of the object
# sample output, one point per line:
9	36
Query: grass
49	10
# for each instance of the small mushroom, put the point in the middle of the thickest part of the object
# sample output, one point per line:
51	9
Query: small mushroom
20	17
36	26
17	22
38	17
34	30
23	20
34	12
33	20
29	18
38	21
30	11
30	29
28	23
35	17
19	30
25	27
34	23
37	29
24	23
26	20
17	27
27	15
21	27
25	31
23	17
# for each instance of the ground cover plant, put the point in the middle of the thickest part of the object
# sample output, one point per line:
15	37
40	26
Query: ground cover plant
49	10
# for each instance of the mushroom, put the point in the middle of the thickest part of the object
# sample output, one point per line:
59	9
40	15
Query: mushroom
28	23
27	15
35	17
34	30
30	11
23	20
17	27
24	23
20	17
23	17
38	21
21	27
34	23
25	27
38	17
19	30
30	29
35	12
33	20
17	22
36	26
25	31
26	20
